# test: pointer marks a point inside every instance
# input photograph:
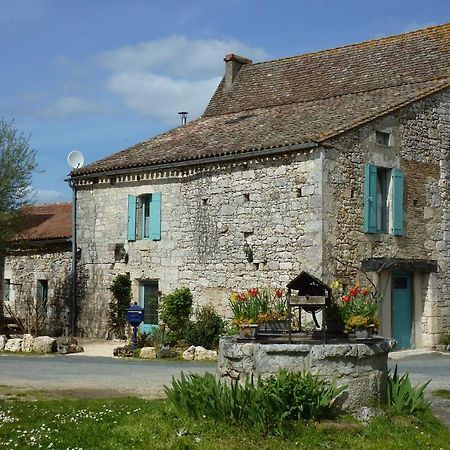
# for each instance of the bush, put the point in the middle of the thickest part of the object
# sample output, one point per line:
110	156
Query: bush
156	338
268	404
445	339
402	397
121	292
207	330
176	309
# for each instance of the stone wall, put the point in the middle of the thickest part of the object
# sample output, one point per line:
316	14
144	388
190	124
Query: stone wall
271	205
24	268
420	147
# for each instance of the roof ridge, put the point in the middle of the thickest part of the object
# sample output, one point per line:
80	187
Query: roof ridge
294	102
356	44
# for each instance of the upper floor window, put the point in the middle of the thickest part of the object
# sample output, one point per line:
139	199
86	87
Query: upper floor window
383	200
383	138
144	217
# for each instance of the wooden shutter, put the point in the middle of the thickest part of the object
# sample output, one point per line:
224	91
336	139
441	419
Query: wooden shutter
370	199
397	202
131	231
155	216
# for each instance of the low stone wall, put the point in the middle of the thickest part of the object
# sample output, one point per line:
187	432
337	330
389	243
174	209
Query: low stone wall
362	367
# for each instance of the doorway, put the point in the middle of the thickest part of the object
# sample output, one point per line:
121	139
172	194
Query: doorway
402	309
148	299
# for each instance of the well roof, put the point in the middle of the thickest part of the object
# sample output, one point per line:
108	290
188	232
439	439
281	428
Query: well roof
306	98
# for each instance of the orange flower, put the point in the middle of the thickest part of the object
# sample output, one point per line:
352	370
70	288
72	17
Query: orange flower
365	292
242	296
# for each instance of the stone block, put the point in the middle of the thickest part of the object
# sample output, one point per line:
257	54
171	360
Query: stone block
3	341
14	345
27	343
202	353
189	354
44	344
148	353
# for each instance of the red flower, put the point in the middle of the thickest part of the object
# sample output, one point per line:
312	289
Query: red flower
346	298
241	296
365	292
279	293
354	291
253	292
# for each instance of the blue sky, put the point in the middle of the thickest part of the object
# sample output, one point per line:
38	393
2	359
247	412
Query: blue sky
101	75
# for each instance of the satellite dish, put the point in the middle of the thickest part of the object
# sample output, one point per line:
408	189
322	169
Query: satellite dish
75	159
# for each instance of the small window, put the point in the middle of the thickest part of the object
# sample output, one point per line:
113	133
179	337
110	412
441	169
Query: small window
7	290
42	298
383	178
383	138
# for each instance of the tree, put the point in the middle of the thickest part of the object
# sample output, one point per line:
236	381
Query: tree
17	163
121	291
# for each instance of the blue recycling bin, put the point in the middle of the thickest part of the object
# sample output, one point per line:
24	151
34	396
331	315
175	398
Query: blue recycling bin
135	316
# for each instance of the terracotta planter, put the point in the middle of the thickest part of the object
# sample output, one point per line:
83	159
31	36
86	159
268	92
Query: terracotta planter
248	331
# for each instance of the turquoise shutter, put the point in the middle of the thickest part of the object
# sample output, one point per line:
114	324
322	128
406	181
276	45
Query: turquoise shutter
370	199
397	202
155	216
131	233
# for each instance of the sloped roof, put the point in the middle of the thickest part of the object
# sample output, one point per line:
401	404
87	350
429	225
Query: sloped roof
306	98
46	222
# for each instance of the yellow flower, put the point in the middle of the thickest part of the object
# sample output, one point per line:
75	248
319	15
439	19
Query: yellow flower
335	285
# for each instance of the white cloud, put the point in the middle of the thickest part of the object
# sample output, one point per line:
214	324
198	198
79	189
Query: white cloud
161	77
162	97
71	106
178	56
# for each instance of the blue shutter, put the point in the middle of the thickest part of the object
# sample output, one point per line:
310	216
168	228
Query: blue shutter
397	202
131	234
155	216
370	199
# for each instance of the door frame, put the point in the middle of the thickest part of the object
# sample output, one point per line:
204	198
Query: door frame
410	284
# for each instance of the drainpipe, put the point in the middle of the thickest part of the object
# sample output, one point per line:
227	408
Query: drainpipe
73	296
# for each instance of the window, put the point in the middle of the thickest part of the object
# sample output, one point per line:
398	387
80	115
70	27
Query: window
41	298
383	138
144	217
7	290
383	200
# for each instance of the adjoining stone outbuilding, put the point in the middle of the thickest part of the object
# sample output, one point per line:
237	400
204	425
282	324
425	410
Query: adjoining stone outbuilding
38	270
335	162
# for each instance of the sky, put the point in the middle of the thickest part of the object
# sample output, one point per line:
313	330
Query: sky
99	76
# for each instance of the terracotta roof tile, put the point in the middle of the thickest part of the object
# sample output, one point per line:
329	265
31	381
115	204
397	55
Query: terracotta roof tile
306	98
45	222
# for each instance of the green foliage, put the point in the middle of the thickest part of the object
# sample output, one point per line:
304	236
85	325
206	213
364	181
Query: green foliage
402	397
445	339
17	163
443	393
121	292
176	309
267	404
156	338
207	330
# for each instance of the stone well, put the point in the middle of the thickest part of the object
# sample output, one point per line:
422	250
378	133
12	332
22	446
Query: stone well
362	366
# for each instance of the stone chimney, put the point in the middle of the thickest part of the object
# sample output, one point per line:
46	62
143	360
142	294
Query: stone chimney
233	64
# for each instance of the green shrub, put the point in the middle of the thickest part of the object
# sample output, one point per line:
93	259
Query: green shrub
445	339
121	292
402	397
156	338
267	404
176	309
207	330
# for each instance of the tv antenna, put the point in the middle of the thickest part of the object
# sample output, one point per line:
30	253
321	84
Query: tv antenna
75	159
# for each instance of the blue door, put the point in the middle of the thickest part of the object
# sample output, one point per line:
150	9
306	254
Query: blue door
402	310
149	301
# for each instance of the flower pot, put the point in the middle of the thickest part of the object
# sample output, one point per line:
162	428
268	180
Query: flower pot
248	331
365	333
274	326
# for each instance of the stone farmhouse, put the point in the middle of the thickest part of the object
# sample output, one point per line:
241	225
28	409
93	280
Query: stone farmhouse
335	162
38	269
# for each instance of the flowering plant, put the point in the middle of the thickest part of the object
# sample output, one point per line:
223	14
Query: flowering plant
258	305
358	306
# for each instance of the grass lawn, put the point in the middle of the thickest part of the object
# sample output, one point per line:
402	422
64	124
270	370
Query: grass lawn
29	421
